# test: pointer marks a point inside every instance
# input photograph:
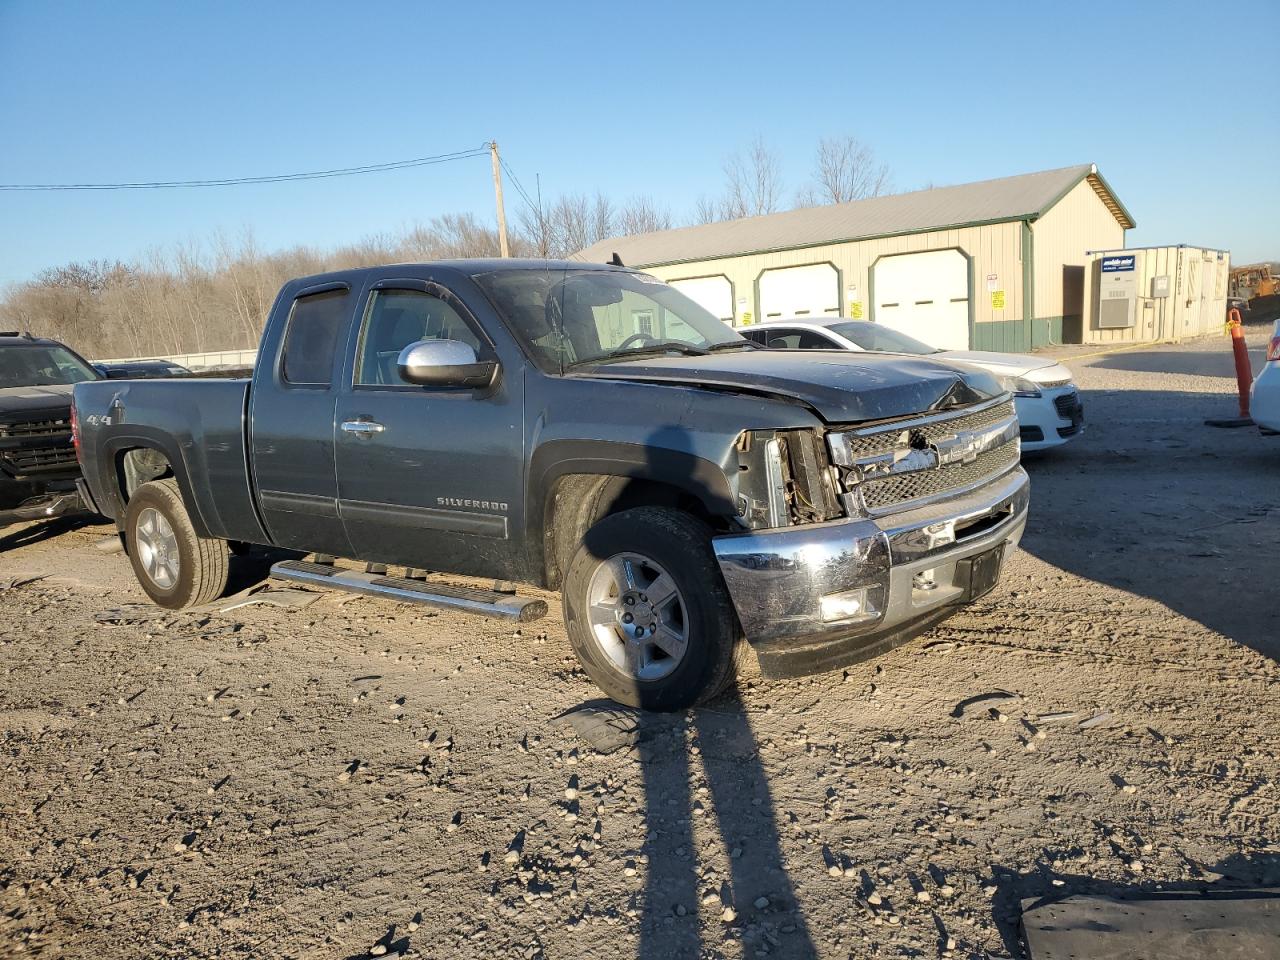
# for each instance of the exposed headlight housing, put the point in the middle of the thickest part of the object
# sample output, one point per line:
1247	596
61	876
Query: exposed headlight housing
784	478
1020	386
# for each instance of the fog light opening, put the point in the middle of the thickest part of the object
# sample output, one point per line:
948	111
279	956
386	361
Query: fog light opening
861	605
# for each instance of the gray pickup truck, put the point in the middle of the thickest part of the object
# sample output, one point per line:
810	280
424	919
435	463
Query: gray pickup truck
578	427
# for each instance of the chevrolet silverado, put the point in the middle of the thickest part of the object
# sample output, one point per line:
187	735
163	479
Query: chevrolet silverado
582	428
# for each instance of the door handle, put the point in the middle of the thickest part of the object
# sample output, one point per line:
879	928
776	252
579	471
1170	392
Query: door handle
362	428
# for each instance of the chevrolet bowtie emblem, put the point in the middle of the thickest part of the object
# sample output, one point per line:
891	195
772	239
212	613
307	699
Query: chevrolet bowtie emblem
913	453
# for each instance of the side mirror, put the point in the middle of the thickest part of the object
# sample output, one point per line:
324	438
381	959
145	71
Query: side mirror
444	363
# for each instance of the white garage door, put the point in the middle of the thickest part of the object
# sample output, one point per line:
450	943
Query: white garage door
714	294
812	291
925	295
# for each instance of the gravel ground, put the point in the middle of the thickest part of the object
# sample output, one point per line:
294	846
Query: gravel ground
356	778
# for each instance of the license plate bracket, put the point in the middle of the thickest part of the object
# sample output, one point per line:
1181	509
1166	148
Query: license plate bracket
981	572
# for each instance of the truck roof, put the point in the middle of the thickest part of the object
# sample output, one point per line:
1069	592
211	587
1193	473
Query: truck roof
465	267
12	338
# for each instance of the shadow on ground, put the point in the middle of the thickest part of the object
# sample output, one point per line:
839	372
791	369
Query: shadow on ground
254	566
704	778
45	530
1151	501
1202	363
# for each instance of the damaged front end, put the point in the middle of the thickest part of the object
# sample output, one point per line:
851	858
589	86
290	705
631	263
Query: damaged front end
864	537
784	478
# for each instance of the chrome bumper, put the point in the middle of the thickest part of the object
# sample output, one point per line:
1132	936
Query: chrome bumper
43	508
913	565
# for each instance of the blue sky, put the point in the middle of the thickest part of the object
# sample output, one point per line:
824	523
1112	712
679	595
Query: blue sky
1173	101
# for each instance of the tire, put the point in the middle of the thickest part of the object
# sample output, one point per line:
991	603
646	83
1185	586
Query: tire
176	567
653	543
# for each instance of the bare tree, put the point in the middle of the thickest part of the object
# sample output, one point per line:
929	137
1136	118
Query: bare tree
642	215
537	230
462	235
706	210
754	182
845	169
215	295
572	222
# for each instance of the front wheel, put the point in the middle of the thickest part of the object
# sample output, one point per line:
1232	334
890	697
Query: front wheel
647	611
176	566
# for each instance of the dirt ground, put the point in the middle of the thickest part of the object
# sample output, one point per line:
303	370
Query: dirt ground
358	778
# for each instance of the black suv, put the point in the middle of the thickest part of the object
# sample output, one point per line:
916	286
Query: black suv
38	466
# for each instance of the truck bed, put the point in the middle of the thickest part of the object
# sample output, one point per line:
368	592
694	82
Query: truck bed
199	425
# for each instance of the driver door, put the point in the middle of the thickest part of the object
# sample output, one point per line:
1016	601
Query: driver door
428	477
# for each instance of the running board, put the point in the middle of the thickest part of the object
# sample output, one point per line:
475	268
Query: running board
483	602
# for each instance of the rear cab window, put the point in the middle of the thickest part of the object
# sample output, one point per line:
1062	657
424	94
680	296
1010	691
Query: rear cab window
311	338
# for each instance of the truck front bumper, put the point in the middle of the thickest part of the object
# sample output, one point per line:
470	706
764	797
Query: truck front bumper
821	596
43	508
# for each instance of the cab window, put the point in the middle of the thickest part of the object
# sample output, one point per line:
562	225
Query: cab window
397	318
311	338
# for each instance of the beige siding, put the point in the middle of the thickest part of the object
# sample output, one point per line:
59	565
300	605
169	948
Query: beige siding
994	249
1196	303
1076	224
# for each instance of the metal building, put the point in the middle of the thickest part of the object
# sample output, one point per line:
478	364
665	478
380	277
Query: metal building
995	265
1155	293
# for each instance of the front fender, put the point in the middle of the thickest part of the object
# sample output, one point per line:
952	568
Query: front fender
697	476
615	463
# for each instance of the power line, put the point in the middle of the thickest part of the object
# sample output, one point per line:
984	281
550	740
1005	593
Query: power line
518	185
275	178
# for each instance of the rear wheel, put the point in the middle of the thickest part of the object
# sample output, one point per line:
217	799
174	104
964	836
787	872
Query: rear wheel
647	612
176	567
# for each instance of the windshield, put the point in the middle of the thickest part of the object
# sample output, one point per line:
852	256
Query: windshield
571	316
880	339
41	366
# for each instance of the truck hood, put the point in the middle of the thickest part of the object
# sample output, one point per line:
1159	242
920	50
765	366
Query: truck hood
18	402
841	387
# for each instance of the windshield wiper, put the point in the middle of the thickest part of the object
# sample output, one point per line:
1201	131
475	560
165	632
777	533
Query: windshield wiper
734	345
659	347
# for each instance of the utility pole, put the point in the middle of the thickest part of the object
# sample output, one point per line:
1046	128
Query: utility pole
503	245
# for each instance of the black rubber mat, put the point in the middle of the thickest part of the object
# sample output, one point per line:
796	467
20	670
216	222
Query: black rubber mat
1218	924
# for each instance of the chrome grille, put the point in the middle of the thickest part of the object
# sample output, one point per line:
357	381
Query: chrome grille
892	491
889	466
884	437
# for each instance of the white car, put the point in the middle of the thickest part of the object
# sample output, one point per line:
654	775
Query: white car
1264	401
1048	404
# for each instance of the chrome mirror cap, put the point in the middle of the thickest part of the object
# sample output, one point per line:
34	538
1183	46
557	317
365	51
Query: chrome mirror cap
444	363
